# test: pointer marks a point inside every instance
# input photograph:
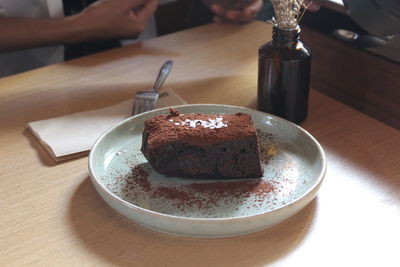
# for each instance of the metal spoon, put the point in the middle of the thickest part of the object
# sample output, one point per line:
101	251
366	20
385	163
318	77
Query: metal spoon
162	75
145	100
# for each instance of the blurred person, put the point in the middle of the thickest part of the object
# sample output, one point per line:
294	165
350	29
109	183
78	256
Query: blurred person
254	9
36	33
237	11
206	11
38	28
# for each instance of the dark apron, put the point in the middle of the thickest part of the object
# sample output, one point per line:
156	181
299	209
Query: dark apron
172	17
72	51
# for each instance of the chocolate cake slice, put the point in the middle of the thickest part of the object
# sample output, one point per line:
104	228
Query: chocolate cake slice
203	146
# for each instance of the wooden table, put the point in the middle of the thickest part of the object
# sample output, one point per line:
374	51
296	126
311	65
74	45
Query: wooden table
52	216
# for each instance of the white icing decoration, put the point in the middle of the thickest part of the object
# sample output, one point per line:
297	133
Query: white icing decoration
210	123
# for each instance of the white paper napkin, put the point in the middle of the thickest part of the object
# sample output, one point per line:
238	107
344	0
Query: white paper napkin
73	135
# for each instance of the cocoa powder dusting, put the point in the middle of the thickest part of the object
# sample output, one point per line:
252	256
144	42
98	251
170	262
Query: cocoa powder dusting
140	175
136	186
266	145
201	196
197	129
170	193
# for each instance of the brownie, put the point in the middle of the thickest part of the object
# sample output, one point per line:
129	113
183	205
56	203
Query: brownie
203	146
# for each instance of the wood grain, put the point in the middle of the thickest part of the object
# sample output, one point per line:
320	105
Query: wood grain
361	79
52	216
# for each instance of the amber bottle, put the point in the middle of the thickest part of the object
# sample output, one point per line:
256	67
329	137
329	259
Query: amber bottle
284	76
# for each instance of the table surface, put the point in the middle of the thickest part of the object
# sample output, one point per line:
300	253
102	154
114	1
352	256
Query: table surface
51	214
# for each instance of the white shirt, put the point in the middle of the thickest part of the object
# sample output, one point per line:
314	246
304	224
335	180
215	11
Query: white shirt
23	60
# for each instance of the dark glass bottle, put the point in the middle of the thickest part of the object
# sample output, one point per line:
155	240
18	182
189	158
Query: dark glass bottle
284	76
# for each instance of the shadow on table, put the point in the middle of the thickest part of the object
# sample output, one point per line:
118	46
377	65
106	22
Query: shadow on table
46	103
229	87
43	155
119	53
121	242
60	105
60	102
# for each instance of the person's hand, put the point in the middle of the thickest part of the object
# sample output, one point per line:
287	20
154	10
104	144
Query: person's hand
106	19
245	15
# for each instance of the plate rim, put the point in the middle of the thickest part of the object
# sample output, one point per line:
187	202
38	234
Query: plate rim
142	210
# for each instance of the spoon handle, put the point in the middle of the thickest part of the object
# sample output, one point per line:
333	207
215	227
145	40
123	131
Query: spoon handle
162	75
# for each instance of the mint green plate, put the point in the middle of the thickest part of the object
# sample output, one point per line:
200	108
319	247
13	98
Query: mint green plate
293	161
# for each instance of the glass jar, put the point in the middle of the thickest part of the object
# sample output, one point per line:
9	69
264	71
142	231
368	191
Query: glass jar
284	76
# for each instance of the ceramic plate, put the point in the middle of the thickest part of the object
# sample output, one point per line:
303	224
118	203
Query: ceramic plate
293	161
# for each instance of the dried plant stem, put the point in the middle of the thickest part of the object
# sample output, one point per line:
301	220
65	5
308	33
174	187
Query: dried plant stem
288	13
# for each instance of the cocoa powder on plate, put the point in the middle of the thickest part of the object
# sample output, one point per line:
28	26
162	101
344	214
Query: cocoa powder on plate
204	195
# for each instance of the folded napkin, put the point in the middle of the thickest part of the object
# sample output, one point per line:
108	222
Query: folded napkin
73	135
